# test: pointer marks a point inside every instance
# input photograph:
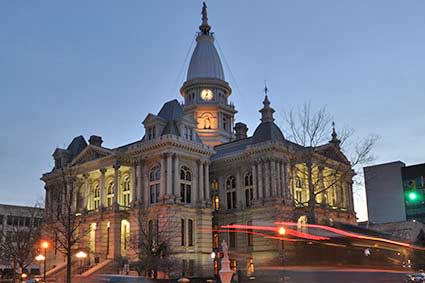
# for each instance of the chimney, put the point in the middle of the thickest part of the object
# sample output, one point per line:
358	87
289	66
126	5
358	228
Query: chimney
241	131
95	140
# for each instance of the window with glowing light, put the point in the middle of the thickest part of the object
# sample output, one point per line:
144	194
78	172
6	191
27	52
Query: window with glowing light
96	196
110	194
126	192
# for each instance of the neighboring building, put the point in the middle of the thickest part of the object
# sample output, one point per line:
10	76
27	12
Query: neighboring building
395	192
13	219
384	192
194	166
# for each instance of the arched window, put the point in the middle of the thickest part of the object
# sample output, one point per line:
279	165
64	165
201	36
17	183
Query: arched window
126	192
231	192
249	194
185	185
154	183
96	196
110	194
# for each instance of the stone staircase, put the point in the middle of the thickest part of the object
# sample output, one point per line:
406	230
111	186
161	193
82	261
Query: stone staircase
89	275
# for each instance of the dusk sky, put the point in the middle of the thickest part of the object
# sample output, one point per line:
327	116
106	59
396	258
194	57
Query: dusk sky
99	67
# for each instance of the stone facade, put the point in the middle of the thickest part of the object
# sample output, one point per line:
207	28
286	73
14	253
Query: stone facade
194	171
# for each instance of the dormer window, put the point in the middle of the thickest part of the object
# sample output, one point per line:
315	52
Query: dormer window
151	133
188	133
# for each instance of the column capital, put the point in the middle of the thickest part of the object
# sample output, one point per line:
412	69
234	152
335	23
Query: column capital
86	176
103	171
117	165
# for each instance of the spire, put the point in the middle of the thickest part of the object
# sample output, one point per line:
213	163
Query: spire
204	27
266	111
334	139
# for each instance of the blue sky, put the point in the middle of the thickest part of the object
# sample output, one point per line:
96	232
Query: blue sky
98	67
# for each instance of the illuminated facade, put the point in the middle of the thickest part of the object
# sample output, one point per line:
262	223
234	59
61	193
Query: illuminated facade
195	169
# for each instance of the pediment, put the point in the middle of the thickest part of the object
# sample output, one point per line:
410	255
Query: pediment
332	152
90	153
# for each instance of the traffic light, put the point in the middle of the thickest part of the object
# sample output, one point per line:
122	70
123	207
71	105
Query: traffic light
413	197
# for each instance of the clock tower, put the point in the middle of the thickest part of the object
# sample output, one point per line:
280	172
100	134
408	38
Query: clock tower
205	91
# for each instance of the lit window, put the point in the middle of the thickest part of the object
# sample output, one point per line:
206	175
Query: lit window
126	192
96	196
110	194
216	202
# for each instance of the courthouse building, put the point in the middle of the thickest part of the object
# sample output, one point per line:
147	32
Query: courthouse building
196	169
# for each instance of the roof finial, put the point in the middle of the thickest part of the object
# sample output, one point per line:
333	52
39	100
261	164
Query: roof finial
204	27
334	139
266	101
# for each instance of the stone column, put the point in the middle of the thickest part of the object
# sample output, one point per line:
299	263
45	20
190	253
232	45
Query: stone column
102	187
169	175
260	180
116	186
240	195
201	180
163	179
139	175
273	191
176	178
133	172
267	191
322	185
115	237
86	191
254	181
145	182
195	183
282	179
207	182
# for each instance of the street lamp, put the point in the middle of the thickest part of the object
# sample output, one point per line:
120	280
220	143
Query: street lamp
213	255
81	256
282	232
44	245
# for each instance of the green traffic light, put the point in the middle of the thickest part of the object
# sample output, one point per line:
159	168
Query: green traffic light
412	196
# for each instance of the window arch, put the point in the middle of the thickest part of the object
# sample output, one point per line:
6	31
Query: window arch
126	191
185	184
249	193
96	196
154	183
231	192
110	194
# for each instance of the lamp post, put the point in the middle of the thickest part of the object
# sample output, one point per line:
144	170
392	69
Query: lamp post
44	245
41	258
282	232
81	256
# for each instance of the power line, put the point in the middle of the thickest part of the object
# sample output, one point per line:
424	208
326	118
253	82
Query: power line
228	67
178	81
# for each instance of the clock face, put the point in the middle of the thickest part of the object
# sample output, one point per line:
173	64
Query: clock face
207	94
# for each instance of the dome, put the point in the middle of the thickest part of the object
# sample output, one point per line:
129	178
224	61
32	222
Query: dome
205	61
267	131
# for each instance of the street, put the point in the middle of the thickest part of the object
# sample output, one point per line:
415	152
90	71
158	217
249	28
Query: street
332	276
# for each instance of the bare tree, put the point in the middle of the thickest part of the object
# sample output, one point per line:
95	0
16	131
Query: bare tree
18	245
151	243
310	129
63	223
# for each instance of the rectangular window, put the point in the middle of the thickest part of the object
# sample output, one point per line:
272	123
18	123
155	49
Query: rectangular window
154	193
229	200
191	267
233	199
250	236
182	233
232	239
186	193
190	232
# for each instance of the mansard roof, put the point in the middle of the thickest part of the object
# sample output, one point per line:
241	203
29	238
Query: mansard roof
171	110
77	145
